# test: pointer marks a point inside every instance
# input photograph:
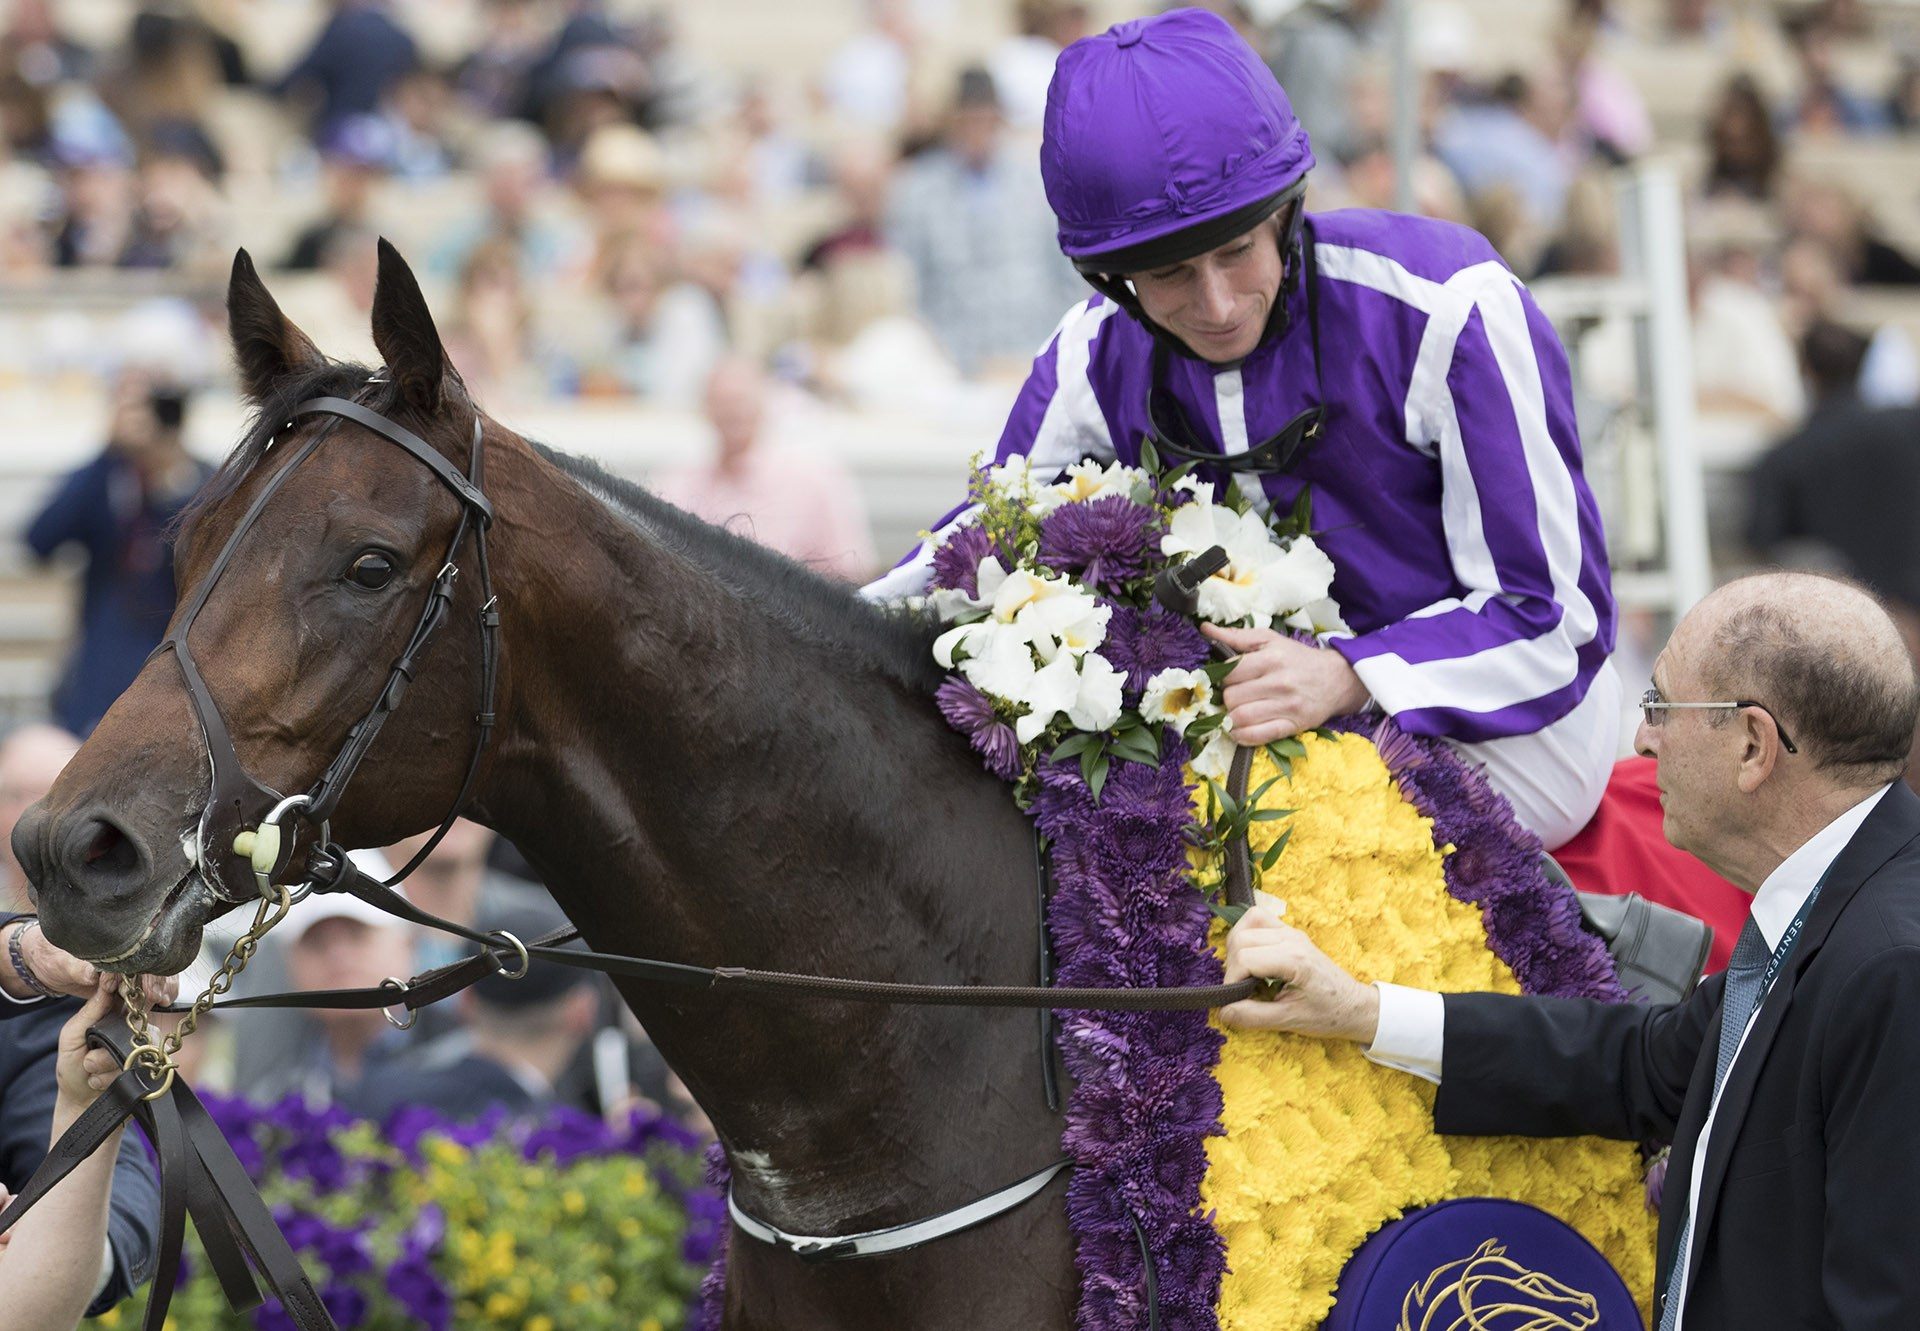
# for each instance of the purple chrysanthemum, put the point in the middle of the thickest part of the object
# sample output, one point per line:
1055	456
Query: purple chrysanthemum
970	712
1142	643
712	1299
1107	541
956	565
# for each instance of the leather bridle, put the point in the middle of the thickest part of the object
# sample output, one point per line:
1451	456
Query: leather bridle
243	814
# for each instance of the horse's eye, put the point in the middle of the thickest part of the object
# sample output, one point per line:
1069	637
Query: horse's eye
372	570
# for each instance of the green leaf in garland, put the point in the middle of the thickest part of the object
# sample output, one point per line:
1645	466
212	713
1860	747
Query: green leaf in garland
1269	815
1229	808
1302	516
1217	671
1321	732
1231	914
1290	746
1088	757
1268	860
1075	744
1204	727
1097	779
1149	458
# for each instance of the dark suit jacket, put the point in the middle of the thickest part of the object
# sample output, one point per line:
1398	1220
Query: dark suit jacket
1809	1212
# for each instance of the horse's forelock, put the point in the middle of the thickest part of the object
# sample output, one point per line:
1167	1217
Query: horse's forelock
331	378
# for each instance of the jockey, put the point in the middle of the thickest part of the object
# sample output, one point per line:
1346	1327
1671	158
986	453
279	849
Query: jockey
1392	364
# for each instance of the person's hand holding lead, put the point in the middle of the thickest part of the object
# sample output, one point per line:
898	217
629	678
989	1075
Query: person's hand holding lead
1318	998
1280	687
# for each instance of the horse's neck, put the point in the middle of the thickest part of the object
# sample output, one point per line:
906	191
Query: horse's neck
695	784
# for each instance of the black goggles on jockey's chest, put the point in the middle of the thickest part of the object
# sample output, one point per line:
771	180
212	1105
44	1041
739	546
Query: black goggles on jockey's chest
1173	436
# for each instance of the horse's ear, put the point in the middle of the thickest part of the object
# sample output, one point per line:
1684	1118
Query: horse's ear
404	333
266	345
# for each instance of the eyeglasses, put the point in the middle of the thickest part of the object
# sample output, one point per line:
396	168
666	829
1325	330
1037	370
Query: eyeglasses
1654	708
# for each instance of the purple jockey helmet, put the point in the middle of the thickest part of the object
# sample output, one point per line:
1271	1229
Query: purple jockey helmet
1166	137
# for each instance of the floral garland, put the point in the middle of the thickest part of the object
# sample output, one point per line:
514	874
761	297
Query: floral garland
1073	682
1495	863
1102	709
1099	705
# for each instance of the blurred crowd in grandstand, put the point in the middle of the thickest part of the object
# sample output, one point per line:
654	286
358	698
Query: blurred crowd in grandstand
660	205
606	213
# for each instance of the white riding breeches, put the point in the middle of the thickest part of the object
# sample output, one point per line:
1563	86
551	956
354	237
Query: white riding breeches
1554	778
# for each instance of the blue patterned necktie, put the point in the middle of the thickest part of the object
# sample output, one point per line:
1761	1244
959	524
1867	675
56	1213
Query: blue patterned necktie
1745	970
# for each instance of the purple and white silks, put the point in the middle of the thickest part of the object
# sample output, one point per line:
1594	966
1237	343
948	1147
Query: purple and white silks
1447	487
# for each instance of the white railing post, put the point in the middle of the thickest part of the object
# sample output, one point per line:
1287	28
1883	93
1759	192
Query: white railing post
1653	249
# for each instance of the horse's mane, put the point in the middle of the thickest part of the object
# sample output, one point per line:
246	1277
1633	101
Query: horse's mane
811	607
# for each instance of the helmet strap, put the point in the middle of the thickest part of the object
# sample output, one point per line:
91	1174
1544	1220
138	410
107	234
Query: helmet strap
1119	290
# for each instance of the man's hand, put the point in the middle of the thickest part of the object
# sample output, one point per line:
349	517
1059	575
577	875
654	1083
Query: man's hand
83	1073
1280	687
1319	999
65	973
60	971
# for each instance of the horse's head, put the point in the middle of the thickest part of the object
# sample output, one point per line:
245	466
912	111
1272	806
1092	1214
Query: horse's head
303	573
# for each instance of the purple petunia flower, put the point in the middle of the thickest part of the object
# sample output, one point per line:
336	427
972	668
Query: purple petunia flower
567	1135
1107	541
956	565
1142	643
406	1126
272	1316
970	712
345	1252
412	1282
346	1303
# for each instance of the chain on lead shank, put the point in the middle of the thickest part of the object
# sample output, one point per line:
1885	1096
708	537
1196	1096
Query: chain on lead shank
161	1059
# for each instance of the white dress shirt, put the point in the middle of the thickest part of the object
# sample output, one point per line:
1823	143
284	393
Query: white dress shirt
1412	1030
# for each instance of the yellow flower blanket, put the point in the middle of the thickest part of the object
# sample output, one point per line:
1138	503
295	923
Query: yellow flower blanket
1323	1147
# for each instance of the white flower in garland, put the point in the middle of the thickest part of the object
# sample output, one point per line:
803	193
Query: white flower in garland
1178	697
1083	481
1214	761
1087	690
1028	641
1263	581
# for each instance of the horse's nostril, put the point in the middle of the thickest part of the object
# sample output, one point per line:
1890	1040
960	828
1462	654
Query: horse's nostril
110	851
100	852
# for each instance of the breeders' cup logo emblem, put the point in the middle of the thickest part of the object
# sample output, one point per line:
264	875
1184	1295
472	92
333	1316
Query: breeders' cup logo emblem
1487	1292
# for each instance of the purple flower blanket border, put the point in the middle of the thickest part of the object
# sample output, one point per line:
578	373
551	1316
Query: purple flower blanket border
1124	913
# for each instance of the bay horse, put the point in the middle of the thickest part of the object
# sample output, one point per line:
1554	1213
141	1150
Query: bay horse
708	753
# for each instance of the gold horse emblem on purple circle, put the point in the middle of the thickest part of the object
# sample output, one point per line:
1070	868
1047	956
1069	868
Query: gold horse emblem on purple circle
1490	1292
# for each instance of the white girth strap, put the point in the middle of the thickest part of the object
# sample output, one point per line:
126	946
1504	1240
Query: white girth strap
898	1238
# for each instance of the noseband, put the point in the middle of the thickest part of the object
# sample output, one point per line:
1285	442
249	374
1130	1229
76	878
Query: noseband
243	814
